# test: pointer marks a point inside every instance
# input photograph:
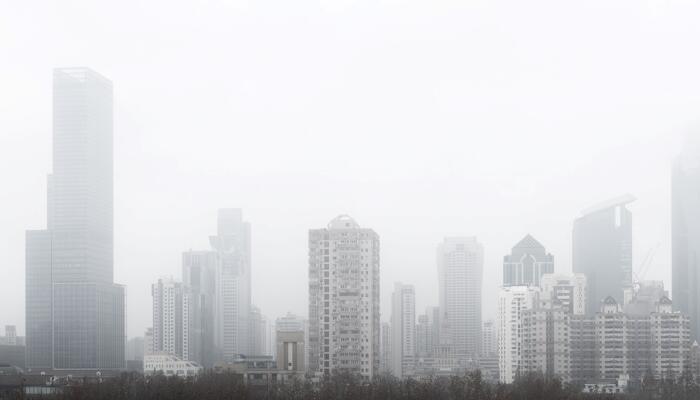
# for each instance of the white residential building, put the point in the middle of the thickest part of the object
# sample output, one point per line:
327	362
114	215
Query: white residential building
460	269
512	302
344	298
567	290
403	330
171	304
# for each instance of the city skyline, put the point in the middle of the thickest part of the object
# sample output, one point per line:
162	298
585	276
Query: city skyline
232	137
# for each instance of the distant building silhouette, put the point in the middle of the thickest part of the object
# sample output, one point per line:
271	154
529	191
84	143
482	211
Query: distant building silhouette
526	263
602	250
685	228
75	313
403	330
460	270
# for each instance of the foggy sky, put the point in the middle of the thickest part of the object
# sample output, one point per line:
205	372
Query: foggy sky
421	119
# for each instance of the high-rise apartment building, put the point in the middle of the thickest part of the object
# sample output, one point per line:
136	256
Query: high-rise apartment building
526	263
171	313
75	313
685	230
584	349
460	269
403	330
602	250
568	291
513	301
232	302
344	327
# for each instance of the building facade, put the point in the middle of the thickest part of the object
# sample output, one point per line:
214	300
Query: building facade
232	303
460	270
344	327
526	263
171	313
569	291
603	347
513	301
75	314
602	250
198	276
403	330
685	232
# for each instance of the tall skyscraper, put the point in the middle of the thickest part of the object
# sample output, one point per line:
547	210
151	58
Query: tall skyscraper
75	313
344	325
198	275
403	330
602	250
526	264
233	281
460	269
685	226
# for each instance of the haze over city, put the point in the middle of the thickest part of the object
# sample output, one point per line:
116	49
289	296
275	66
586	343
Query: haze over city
420	120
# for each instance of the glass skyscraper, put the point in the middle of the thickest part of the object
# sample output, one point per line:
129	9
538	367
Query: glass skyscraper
75	313
602	251
685	227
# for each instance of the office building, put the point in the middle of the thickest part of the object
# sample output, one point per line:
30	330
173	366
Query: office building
75	314
602	250
403	330
526	263
260	333
460	269
344	327
198	276
232	303
685	232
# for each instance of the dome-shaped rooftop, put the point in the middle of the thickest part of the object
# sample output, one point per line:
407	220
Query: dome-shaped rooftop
343	221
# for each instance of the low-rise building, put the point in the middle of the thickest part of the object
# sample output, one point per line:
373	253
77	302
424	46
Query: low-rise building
169	365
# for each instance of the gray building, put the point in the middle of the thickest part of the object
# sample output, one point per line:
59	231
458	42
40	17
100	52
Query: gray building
198	275
526	263
344	323
685	228
602	250
460	270
232	303
290	351
75	314
403	330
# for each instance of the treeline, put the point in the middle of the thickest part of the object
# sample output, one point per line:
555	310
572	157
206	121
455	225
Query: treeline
210	386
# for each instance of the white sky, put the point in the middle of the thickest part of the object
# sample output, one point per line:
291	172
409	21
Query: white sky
420	119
